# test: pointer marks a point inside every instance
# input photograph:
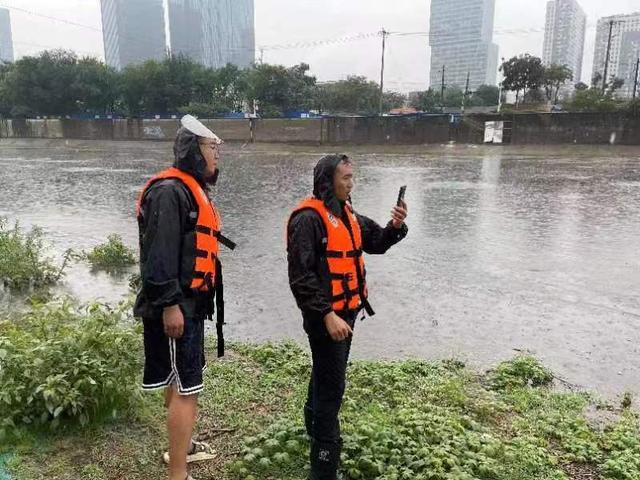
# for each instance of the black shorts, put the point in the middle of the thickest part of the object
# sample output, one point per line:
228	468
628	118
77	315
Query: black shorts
177	361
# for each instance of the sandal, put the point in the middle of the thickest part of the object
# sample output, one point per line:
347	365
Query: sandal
200	452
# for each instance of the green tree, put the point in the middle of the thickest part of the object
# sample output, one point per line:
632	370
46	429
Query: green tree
453	97
555	76
181	74
611	87
356	96
166	86
218	91
5	97
96	86
278	89
426	101
521	74
591	100
230	89
143	88
391	100
485	96
43	85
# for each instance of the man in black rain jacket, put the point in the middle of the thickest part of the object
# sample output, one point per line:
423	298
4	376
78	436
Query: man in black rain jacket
329	322
178	284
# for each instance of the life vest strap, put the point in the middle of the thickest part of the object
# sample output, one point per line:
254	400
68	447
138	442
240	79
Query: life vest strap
219	293
340	254
226	242
340	276
217	234
344	295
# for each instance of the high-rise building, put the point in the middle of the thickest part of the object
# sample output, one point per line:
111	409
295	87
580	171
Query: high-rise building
213	33
624	52
6	39
564	37
461	41
133	31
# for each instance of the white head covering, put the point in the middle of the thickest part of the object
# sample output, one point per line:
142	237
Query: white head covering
196	127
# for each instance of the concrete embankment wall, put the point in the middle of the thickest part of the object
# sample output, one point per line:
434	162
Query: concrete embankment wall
561	128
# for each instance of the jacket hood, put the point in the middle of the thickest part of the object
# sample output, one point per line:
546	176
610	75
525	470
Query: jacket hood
189	159
323	182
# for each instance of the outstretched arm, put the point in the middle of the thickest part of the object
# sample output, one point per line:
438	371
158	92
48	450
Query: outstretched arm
376	239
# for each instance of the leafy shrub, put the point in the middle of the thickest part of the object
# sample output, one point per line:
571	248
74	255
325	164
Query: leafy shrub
61	361
22	259
622	444
522	371
112	255
279	451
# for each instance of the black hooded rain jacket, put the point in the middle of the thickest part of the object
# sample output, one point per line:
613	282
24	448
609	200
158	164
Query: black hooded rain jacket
169	214
308	268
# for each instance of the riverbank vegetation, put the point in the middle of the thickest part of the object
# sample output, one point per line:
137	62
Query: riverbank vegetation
71	406
111	255
24	263
71	409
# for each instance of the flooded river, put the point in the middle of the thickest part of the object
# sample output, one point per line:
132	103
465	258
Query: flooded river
530	249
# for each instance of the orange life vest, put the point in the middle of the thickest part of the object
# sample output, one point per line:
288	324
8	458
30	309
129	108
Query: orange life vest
207	230
344	257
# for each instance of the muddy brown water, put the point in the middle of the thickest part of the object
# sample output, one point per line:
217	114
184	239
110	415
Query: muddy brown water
510	249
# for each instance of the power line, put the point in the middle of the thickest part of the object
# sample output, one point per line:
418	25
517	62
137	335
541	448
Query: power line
315	43
304	43
47	47
55	19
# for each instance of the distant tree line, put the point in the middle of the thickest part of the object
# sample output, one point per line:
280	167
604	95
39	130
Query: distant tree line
59	83
454	97
533	82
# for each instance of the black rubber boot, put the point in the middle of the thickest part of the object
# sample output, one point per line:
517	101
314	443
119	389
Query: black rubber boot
308	420
325	459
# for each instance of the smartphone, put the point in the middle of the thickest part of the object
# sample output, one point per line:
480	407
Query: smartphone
403	189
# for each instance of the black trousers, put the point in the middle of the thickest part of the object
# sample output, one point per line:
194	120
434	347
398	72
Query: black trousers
324	399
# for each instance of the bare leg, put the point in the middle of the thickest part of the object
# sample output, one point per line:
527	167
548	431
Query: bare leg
182	416
168	395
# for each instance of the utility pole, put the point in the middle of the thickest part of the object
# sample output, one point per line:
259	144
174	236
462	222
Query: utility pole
466	92
384	34
442	89
261	56
606	60
637	79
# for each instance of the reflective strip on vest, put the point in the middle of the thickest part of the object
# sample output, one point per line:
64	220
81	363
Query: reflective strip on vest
342	254
207	228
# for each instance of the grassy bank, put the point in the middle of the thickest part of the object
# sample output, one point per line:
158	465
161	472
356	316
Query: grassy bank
402	420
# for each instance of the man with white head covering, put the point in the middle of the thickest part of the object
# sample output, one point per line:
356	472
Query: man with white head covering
181	275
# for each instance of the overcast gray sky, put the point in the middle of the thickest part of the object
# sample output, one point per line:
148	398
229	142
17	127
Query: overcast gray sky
287	21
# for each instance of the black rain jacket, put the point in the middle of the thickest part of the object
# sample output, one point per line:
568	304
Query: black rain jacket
167	237
308	268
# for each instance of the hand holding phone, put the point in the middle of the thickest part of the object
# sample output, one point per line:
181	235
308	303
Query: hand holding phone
401	193
399	212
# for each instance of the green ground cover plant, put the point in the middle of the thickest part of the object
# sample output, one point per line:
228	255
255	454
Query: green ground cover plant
401	420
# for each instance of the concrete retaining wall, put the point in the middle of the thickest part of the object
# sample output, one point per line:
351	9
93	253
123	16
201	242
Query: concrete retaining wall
557	128
560	128
386	130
